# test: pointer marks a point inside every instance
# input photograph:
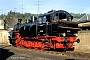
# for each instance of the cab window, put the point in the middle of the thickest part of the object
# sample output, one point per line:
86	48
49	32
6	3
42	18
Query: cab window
40	19
44	19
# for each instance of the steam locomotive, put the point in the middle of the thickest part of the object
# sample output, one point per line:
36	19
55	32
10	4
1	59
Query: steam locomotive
51	30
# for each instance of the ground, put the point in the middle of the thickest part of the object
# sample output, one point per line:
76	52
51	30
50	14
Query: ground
18	53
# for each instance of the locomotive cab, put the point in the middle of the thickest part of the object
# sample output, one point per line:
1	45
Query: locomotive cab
57	23
55	15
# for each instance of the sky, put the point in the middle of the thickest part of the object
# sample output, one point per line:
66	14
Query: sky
30	6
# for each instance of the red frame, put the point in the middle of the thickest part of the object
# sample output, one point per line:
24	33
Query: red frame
37	42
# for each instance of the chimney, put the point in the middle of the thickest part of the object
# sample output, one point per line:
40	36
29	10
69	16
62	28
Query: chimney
19	20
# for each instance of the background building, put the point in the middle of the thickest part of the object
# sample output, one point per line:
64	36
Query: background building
1	24
84	22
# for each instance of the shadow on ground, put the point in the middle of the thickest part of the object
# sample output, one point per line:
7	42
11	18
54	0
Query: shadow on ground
5	53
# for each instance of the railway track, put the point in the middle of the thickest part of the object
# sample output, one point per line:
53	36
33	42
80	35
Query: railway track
57	53
25	53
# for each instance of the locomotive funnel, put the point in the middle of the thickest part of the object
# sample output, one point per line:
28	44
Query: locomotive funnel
19	20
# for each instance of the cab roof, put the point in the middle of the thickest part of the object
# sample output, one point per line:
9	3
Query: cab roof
53	12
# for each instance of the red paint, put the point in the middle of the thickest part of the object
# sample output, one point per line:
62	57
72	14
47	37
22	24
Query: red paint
43	42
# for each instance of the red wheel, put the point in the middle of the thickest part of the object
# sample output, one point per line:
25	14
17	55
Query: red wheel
36	48
42	47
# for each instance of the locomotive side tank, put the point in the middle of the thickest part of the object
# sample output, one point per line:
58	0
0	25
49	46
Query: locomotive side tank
52	30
